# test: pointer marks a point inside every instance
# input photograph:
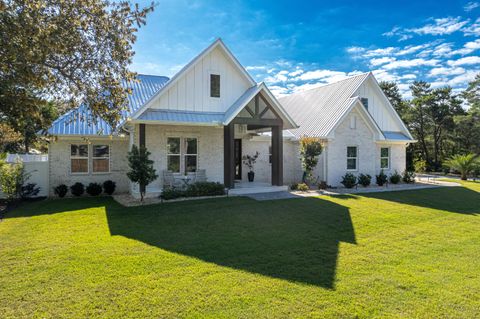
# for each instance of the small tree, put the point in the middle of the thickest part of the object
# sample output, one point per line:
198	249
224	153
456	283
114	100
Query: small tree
141	168
11	179
310	149
465	164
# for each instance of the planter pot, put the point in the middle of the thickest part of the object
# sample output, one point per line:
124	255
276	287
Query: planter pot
251	176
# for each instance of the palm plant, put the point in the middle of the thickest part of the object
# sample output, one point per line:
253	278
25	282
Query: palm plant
464	164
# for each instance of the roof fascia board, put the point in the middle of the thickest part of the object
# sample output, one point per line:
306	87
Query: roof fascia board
176	123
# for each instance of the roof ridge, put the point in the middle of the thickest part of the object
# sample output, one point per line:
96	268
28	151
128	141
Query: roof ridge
160	76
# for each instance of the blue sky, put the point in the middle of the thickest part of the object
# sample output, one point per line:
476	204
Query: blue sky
296	45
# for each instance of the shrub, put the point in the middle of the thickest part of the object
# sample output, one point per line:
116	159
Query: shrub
446	170
109	187
395	178
11	180
310	150
364	180
172	193
408	177
349	180
77	189
294	187
420	166
61	190
381	178
303	187
322	185
205	189
94	189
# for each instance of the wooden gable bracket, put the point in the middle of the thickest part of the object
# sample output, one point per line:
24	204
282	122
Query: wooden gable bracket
257	116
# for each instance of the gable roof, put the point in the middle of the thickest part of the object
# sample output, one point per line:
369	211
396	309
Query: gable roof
218	43
239	105
319	110
81	122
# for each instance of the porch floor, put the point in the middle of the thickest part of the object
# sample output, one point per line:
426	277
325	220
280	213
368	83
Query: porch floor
243	188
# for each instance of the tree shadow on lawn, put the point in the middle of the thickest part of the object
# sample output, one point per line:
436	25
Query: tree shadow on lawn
459	200
294	239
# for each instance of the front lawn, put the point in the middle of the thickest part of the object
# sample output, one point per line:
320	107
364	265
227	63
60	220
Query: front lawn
399	254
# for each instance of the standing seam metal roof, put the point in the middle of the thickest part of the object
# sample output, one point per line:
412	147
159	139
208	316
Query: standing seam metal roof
317	110
81	122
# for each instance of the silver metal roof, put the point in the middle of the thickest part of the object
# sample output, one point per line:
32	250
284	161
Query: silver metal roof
185	117
317	110
396	136
81	122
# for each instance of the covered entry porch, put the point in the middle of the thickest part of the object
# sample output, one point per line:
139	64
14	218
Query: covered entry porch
255	112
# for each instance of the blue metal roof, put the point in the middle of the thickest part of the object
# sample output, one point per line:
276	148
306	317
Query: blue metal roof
209	118
81	122
396	136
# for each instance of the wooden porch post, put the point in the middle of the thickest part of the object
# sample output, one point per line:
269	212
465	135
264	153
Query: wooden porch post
141	141
228	158
277	155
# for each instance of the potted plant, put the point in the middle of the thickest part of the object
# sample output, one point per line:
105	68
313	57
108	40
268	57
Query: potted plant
249	161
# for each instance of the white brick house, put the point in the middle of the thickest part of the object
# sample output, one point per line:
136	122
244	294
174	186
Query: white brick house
212	112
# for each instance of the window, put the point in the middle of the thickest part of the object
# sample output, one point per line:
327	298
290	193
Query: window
173	154
364	102
352	157
79	158
385	158
214	85
101	159
190	148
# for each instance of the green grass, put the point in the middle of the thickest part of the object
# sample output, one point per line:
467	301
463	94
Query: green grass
400	254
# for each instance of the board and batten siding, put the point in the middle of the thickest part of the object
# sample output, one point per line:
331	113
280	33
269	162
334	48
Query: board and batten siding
376	107
192	90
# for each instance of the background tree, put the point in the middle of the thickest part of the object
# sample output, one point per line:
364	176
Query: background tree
465	164
393	94
310	149
70	52
141	168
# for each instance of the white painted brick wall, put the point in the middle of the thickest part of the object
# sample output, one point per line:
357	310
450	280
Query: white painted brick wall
210	148
59	164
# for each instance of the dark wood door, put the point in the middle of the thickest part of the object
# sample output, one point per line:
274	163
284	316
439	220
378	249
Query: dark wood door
237	153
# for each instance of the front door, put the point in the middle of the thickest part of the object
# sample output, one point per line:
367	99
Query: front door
238	158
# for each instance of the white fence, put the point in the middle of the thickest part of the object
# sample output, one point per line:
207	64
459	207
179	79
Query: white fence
36	166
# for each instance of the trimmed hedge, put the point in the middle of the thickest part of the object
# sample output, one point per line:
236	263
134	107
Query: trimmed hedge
94	189
349	180
77	189
61	190
195	190
109	187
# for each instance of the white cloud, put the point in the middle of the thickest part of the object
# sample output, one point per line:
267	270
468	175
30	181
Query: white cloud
296	72
412	48
446	71
469	60
280	76
355	50
443	49
409	76
380	52
256	68
473	29
380	61
441	26
410	63
470	6
319	74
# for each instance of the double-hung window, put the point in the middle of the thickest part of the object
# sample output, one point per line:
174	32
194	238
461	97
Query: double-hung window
101	159
79	158
173	154
385	158
352	158
190	154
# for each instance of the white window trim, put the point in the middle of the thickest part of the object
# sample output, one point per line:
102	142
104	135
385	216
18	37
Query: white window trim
174	154
388	158
356	159
214	72
184	153
109	159
79	157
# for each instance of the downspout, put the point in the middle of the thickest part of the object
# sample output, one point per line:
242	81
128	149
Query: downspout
325	164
